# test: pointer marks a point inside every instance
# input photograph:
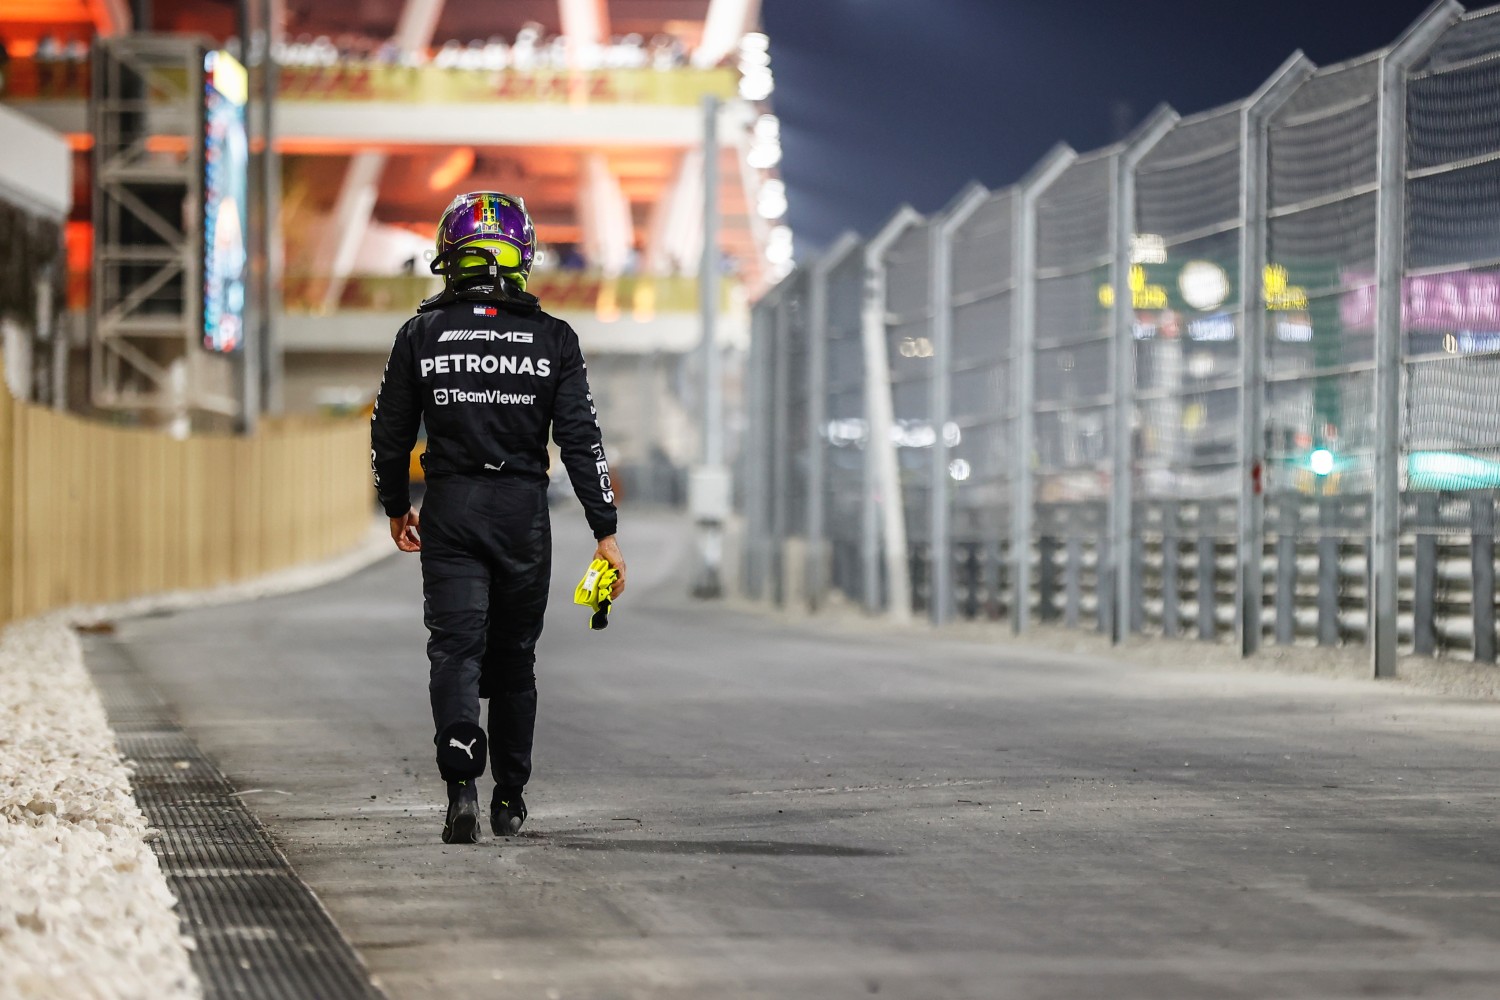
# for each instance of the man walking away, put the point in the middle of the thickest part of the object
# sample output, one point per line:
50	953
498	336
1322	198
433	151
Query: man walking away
491	374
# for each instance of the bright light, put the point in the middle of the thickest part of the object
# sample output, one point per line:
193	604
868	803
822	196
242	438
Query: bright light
1201	365
1147	248
1321	462
771	202
1279	293
756	84
913	434
915	347
764	156
959	470
455	167
1203	284
842	433
765	144
779	245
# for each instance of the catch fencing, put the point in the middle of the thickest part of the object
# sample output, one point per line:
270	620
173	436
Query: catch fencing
1233	378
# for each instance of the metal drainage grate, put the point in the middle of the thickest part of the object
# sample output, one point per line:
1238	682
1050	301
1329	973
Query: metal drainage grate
260	930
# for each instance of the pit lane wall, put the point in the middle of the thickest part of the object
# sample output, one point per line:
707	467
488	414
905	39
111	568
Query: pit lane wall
91	512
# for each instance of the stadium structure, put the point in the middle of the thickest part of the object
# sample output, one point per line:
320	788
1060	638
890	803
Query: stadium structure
363	123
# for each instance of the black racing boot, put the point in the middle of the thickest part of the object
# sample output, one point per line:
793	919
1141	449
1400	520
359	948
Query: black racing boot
462	824
507	811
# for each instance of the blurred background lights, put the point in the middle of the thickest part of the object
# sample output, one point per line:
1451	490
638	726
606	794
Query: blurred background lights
959	470
771	202
1321	462
779	245
756	81
756	85
765	143
1203	284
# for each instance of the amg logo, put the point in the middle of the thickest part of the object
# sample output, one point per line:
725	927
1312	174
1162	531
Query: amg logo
514	336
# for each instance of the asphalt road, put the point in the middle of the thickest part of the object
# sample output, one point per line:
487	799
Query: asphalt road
729	806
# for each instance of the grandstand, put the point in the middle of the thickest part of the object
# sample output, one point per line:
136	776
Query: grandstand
384	110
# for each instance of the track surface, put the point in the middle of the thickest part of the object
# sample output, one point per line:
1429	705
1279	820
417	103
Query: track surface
727	806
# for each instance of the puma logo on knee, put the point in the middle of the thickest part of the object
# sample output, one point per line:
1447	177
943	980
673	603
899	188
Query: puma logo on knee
466	749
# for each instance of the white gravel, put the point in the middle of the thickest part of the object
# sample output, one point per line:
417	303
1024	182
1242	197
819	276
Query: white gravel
85	911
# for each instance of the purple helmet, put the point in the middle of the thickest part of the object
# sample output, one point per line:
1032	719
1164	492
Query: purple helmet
491	221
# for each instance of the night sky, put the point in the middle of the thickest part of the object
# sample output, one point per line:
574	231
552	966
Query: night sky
890	101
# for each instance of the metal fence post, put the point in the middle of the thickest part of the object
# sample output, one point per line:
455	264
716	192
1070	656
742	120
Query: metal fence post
1425	579
1330	572
1254	169
1122	369
1482	570
756	473
1023	337
1390	265
1171	553
1287	520
884	520
817	418
780	453
1208	573
940	527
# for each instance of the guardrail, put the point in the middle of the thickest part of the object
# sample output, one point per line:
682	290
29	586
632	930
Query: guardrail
94	512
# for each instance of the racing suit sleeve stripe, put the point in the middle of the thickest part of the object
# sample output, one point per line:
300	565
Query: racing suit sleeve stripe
575	428
393	428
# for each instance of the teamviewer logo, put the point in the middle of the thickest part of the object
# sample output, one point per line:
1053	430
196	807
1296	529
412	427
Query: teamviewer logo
440	397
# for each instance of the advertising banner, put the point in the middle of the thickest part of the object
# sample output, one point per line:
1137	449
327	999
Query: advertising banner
226	173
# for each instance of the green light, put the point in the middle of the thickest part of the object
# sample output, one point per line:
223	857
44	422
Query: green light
1446	470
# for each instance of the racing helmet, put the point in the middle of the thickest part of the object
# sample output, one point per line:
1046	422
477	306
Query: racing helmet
482	230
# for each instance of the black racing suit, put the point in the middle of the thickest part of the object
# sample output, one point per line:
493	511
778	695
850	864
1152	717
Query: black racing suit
490	375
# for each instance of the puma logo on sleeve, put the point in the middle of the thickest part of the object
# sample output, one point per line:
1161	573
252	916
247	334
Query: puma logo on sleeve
466	749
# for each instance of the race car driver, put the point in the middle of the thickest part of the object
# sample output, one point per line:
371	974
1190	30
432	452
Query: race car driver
491	374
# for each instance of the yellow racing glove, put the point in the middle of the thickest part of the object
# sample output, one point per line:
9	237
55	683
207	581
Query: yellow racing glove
593	592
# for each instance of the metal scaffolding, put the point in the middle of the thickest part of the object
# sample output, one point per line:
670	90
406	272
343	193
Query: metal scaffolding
146	309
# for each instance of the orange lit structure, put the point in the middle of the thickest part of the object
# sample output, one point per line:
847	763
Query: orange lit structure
590	110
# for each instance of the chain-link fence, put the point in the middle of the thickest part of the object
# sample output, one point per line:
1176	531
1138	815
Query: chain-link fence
1230	377
1070	452
841	434
1183	278
907	268
1449	423
980	430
